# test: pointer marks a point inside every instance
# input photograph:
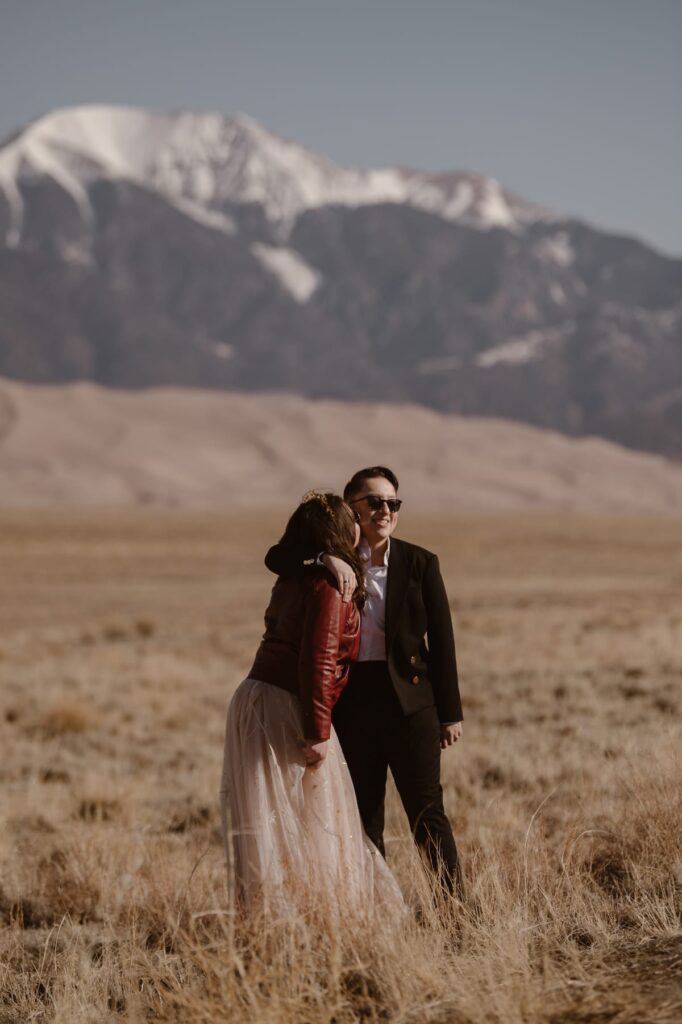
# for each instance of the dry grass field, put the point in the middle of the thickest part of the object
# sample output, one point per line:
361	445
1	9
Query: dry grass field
122	637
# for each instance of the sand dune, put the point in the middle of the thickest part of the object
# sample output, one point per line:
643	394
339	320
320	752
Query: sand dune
80	444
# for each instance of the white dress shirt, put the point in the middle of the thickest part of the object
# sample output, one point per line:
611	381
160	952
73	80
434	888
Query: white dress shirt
373	622
373	615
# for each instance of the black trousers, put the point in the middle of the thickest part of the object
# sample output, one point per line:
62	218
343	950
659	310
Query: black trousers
375	735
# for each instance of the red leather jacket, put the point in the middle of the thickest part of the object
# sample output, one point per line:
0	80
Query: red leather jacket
310	638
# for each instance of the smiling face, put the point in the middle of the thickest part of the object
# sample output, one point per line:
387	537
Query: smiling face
378	524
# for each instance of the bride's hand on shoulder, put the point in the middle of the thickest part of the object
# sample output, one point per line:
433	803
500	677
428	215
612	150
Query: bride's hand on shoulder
315	753
343	573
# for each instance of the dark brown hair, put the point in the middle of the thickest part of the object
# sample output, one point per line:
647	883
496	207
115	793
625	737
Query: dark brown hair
356	481
325	523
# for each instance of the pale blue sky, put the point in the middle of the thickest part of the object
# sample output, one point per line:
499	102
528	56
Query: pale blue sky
575	104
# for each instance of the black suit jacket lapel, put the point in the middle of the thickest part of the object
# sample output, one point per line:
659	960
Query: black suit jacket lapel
399	564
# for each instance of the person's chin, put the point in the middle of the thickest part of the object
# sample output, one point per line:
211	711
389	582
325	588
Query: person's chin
383	530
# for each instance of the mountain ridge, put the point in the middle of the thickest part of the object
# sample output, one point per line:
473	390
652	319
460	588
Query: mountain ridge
204	158
194	250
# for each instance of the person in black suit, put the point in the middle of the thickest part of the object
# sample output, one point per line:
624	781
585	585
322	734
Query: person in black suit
402	704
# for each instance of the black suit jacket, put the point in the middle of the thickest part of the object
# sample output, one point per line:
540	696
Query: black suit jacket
420	642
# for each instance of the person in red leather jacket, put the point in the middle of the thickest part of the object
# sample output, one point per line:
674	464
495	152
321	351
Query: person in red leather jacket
311	636
291	825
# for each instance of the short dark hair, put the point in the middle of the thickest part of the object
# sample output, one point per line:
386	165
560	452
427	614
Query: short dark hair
358	479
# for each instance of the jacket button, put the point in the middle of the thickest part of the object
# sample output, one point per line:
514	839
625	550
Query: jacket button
415	679
413	659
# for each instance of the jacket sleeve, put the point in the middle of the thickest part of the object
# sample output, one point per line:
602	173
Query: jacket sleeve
441	640
287	561
318	657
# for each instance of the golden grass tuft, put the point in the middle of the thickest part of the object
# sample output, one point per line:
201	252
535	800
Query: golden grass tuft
114	632
145	627
68	716
60	884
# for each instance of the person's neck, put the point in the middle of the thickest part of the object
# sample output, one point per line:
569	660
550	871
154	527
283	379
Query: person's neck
378	551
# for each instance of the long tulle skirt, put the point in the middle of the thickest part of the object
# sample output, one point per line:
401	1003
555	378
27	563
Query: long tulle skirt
293	836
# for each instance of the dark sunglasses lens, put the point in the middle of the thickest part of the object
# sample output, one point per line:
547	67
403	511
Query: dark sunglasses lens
375	503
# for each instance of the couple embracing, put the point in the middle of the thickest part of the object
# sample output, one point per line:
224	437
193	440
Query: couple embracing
356	674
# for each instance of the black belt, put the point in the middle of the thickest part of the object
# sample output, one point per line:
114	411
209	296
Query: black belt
370	668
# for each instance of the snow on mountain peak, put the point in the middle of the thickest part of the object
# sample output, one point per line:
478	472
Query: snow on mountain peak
293	273
203	162
74	146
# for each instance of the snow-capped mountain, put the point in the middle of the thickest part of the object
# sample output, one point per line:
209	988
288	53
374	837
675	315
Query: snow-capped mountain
201	162
139	248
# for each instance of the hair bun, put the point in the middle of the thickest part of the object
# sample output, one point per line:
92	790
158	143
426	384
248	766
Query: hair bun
318	496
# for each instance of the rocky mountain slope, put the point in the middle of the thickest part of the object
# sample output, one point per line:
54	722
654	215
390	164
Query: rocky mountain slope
141	249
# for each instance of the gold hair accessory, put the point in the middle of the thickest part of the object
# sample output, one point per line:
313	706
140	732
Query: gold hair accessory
319	497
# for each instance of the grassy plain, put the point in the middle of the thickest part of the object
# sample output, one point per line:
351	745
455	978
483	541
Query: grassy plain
122	637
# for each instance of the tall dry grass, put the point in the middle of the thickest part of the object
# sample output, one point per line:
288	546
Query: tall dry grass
564	794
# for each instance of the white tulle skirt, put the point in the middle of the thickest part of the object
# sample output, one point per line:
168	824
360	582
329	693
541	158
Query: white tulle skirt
293	836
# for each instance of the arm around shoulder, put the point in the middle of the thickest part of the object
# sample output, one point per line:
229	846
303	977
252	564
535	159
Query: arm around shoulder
286	561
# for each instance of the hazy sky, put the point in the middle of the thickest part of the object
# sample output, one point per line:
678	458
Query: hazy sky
575	104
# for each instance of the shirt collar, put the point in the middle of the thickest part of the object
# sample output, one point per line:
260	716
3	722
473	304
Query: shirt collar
366	554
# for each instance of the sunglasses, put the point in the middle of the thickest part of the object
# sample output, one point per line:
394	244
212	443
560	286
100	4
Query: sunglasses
374	502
